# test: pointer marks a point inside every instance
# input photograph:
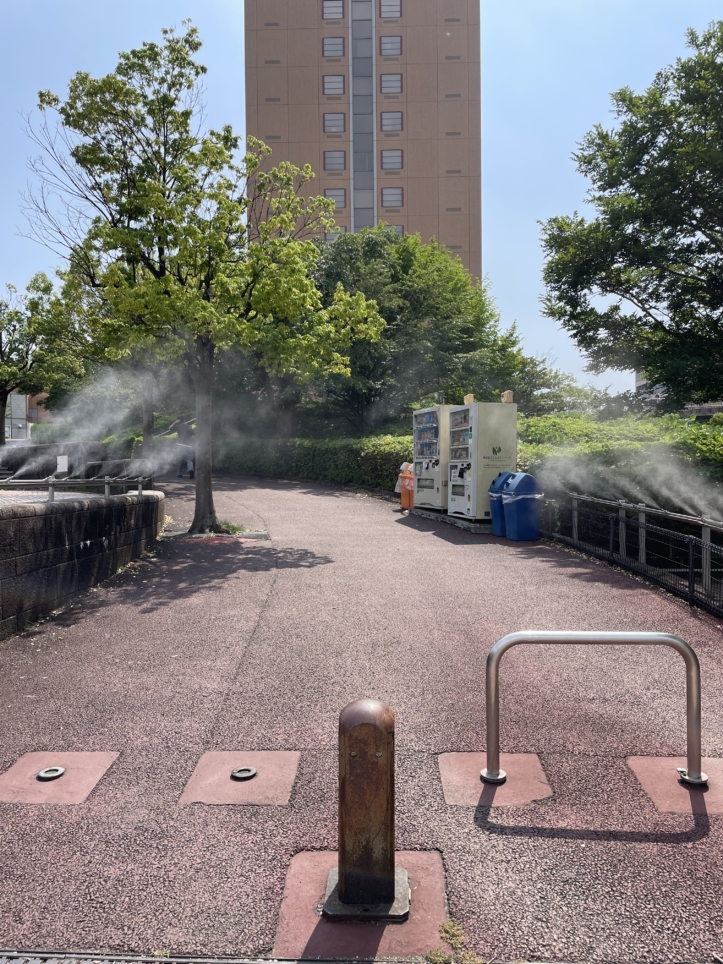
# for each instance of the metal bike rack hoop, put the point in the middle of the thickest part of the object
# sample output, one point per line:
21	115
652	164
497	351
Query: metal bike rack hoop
691	774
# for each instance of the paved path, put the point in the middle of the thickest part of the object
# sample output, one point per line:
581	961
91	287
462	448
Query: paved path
259	645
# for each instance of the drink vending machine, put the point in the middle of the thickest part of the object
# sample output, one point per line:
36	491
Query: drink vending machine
482	443
431	456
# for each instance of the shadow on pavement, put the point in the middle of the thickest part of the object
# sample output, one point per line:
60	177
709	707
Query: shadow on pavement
184	568
699	831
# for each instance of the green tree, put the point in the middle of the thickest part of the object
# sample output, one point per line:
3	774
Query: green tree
442	333
39	349
641	284
174	238
442	330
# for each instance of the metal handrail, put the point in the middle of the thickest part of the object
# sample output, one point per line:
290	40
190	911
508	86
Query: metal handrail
650	510
691	774
52	483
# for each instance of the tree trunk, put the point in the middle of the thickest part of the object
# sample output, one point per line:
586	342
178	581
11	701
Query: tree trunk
148	379
3	411
204	519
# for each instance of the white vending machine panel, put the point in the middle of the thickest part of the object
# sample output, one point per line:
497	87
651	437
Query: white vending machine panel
431	456
482	443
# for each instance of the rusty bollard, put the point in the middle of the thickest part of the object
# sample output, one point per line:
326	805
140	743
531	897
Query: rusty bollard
366	885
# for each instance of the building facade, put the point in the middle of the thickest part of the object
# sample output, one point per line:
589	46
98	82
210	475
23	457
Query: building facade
382	99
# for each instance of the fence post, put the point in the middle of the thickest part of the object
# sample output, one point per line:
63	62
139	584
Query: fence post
705	560
140	486
107	486
611	545
51	492
622	531
642	554
575	520
691	571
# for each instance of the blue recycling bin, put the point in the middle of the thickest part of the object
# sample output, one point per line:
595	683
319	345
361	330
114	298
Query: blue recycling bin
522	502
498	512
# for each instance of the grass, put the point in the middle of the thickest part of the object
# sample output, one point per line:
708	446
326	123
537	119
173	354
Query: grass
232	527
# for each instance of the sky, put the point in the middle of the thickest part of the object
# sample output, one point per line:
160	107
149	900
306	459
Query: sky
548	69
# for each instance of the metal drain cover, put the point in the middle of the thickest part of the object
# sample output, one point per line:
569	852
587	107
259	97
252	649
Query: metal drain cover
50	773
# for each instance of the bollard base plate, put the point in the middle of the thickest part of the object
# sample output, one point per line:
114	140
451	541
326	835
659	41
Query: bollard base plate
395	913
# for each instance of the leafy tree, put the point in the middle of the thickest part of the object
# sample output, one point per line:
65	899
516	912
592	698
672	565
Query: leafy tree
174	240
442	330
641	284
39	349
442	333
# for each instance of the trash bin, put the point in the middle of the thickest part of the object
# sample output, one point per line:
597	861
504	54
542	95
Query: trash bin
405	484
498	512
522	502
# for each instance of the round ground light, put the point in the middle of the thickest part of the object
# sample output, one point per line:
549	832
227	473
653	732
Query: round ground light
243	773
50	773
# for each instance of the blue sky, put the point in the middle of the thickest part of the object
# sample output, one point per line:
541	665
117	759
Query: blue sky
548	67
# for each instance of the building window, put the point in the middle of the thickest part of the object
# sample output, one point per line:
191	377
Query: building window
391	83
334	84
334	123
332	9
334	160
333	46
391	120
390	8
390	46
337	195
333	235
399	228
392	197
392	160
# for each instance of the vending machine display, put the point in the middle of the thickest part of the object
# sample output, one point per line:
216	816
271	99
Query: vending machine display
482	443
431	456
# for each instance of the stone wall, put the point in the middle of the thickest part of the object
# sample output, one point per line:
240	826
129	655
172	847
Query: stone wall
51	550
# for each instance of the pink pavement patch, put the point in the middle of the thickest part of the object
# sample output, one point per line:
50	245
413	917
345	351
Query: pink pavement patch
303	934
19	784
462	786
211	781
658	777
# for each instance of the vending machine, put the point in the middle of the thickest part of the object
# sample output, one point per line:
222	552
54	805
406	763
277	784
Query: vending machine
482	443
431	457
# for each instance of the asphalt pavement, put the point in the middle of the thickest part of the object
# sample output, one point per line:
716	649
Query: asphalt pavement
259	644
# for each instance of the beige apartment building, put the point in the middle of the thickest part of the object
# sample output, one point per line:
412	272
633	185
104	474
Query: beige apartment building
382	99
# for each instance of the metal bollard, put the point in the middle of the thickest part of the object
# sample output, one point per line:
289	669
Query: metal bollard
107	486
140	486
691	774
366	885
51	492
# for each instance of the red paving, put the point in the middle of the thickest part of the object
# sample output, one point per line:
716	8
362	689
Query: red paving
462	787
257	646
211	781
302	934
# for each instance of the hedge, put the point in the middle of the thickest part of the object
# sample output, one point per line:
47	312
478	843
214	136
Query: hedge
371	462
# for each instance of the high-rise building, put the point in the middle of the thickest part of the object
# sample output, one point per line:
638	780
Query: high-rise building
382	99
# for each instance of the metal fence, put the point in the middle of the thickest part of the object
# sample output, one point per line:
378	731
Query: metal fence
682	553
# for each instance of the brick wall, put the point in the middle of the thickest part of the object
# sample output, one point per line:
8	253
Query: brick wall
51	550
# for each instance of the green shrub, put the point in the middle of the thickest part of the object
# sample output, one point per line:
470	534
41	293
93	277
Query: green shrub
371	462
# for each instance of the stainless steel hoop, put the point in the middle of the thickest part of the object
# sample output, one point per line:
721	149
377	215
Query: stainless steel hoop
691	775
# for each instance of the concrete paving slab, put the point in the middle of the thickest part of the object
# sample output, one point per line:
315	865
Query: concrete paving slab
211	781
304	935
19	784
463	787
659	779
